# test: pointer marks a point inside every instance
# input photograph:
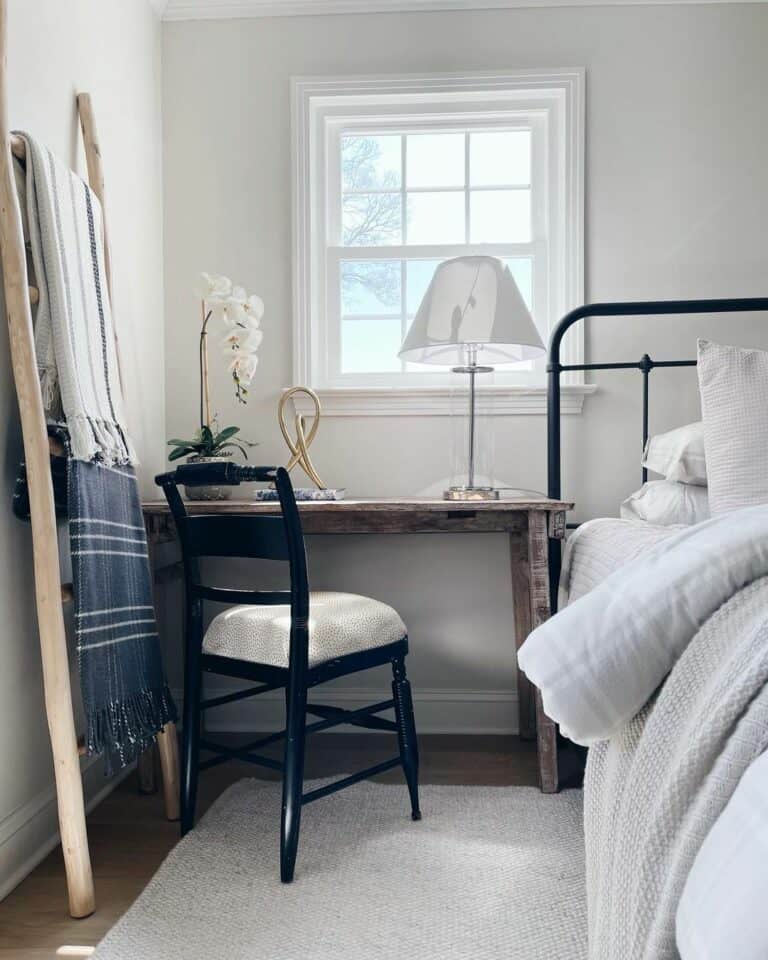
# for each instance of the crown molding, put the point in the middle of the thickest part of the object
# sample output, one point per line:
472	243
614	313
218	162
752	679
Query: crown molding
232	9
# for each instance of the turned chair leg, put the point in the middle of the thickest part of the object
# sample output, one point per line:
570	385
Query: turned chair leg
193	681
293	781
406	732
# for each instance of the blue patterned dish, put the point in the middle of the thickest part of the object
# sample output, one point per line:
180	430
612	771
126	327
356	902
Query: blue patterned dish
303	493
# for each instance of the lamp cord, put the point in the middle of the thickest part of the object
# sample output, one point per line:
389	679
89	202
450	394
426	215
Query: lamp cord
536	493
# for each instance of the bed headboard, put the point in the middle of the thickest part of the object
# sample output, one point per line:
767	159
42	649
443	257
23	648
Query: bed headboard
645	365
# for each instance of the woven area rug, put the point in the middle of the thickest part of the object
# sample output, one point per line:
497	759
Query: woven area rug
490	873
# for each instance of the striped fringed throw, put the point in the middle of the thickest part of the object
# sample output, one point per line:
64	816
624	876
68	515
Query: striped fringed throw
74	333
125	696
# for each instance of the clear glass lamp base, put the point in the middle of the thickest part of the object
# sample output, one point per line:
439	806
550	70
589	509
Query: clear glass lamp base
471	493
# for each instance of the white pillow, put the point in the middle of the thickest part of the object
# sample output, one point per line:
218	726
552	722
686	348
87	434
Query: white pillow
678	454
665	504
733	384
722	913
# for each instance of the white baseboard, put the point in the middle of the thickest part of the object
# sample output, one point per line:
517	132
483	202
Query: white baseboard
30	832
437	711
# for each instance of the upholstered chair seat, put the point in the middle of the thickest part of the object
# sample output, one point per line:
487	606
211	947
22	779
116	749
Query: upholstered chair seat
339	624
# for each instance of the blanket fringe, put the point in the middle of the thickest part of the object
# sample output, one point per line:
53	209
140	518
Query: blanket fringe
100	440
123	729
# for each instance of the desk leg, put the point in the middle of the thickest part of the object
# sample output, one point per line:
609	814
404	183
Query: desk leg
521	597
538	572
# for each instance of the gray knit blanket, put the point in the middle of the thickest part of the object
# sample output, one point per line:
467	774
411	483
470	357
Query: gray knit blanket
125	695
653	791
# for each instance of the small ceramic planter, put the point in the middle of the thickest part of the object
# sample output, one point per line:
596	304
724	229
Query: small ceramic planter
209	492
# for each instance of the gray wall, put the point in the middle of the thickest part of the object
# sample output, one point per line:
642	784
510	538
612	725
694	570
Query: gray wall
57	48
676	206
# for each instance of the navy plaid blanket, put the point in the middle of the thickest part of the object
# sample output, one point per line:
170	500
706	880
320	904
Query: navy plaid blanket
125	694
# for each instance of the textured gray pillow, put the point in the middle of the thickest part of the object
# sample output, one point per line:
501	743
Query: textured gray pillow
733	384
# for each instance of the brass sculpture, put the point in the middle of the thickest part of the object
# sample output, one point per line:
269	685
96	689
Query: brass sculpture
300	446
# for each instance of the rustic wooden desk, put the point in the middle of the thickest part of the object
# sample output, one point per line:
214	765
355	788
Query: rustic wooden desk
528	523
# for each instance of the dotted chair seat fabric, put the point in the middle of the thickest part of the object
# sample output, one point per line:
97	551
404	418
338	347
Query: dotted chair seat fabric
339	624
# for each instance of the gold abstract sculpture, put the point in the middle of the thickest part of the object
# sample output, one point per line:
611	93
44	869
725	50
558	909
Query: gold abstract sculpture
300	446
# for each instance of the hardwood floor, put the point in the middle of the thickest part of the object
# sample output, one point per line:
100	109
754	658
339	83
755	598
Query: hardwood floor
129	836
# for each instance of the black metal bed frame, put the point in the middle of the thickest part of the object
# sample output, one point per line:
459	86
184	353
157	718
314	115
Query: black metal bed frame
645	365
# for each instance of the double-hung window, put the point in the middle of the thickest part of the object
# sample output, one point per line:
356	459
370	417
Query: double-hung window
394	175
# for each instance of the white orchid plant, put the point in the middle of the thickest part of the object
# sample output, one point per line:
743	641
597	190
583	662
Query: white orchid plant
240	314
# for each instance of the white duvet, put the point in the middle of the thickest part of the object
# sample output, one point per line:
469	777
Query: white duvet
599	660
722	915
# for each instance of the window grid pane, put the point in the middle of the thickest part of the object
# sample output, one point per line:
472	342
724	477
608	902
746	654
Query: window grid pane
500	216
435	217
435	160
404	193
371	163
385	204
403	301
380	202
467	162
502	158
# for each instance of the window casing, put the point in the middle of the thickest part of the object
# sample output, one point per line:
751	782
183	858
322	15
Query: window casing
356	289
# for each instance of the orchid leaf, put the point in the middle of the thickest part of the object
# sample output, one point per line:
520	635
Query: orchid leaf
225	434
180	452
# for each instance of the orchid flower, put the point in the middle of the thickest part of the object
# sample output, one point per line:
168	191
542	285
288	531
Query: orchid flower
246	311
213	287
240	314
243	370
244	365
242	341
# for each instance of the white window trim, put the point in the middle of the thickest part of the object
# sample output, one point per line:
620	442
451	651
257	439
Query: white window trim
312	98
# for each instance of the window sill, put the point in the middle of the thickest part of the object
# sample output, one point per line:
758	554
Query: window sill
436	401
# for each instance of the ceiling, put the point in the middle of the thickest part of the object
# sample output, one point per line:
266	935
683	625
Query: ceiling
227	9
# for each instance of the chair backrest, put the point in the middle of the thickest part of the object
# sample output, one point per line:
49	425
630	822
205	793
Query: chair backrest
235	535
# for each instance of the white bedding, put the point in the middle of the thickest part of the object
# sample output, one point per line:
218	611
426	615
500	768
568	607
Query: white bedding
721	914
598	547
658	787
599	660
655	790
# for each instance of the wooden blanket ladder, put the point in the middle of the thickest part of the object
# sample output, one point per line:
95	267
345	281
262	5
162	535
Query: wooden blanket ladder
50	593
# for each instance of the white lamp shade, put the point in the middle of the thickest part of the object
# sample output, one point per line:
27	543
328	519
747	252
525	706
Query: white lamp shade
472	301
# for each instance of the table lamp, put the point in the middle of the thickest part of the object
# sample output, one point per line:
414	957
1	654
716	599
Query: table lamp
472	316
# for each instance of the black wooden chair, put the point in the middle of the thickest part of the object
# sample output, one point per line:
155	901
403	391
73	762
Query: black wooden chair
290	639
